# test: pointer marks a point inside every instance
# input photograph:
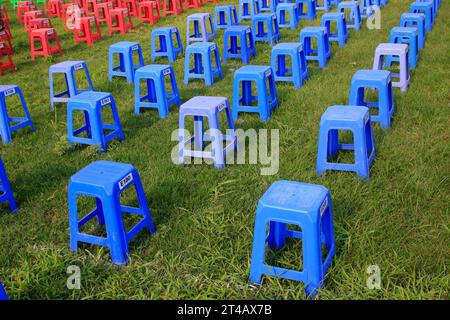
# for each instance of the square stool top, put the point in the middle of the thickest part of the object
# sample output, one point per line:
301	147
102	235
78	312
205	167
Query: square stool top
294	196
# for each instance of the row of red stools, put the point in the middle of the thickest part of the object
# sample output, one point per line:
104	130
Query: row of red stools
6	48
83	17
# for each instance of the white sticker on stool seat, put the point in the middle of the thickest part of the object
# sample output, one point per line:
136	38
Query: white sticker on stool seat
10	92
125	181
268	73
78	66
222	106
166	72
323	206
135	47
105	101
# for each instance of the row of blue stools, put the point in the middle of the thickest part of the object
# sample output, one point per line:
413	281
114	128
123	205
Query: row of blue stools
284	203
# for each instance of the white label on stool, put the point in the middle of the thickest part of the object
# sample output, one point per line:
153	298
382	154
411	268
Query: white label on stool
2	33
125	181
166	72
174	29
92	20
213	47
323	206
222	106
105	101
268	73
1	45
134	48
366	117
10	92
249	30
78	66
50	32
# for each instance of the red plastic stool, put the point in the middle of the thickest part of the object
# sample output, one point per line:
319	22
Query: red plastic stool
31	15
24	6
149	11
44	36
215	1
119	20
54	8
8	64
174	7
88	31
39	23
6	39
131	5
193	4
102	11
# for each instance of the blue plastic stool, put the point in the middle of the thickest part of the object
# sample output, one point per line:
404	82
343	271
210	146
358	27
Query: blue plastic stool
10	124
163	43
383	2
156	95
206	62
231	47
68	68
92	103
6	193
341	34
298	71
407	36
247	9
266	96
209	107
199	31
225	16
126	67
323	52
352	14
307	206
355	119
335	2
287	15
3	295
268	5
105	181
425	8
265	28
381	81
415	20
323	5
309	12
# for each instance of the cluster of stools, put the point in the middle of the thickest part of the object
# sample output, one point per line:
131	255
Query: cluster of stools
84	18
285	202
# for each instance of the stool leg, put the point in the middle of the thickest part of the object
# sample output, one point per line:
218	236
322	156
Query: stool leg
143	203
160	95
216	140
258	250
116	230
25	110
5	131
99	210
198	133
312	259
73	219
277	235
52	102
361	154
7	188
207	67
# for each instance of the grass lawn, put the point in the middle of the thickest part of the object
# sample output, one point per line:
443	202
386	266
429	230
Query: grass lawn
399	220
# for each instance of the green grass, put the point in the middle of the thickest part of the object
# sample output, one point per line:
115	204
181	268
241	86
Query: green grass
204	217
